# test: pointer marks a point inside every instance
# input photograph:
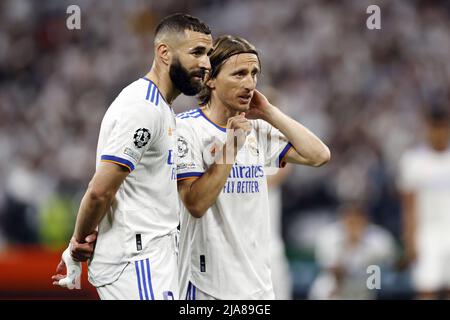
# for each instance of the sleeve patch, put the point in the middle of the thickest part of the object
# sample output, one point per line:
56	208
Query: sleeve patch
141	137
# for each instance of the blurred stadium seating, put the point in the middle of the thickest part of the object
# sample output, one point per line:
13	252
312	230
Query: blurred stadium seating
362	92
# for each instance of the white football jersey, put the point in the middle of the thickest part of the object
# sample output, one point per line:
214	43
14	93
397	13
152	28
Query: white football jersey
427	173
138	133
226	252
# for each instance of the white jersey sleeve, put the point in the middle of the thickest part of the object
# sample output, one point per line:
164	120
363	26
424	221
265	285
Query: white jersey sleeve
134	131
277	145
190	162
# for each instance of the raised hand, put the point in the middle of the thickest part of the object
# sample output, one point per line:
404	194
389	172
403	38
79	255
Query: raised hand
238	128
259	107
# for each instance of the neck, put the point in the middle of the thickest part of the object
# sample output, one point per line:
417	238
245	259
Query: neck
161	79
218	112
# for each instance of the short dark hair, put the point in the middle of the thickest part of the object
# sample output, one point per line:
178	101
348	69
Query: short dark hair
437	114
179	22
224	47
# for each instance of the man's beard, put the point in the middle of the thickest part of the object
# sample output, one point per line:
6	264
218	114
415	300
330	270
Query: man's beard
183	79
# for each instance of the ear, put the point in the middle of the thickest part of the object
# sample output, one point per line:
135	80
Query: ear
211	83
164	53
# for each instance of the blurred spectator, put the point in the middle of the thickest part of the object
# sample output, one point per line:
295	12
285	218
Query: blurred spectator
26	190
424	182
345	250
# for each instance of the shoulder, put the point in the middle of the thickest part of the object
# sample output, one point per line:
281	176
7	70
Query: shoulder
140	96
413	156
188	119
189	115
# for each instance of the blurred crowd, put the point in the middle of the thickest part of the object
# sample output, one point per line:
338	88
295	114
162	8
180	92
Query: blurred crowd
362	91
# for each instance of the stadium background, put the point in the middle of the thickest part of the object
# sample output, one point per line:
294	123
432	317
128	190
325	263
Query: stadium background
360	90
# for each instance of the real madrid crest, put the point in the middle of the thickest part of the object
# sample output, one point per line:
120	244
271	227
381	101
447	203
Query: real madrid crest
141	137
182	147
253	146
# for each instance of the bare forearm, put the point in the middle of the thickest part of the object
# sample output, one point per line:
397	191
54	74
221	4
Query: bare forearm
409	224
306	143
409	220
200	194
409	236
98	197
205	190
409	227
91	212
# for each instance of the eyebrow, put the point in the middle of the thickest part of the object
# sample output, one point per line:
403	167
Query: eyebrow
199	49
245	69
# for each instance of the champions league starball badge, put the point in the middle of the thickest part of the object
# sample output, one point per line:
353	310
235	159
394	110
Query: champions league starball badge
141	137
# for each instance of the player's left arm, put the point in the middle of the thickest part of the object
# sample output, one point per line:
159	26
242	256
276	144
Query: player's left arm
307	149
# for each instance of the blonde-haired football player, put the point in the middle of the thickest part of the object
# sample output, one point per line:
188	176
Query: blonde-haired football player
225	234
